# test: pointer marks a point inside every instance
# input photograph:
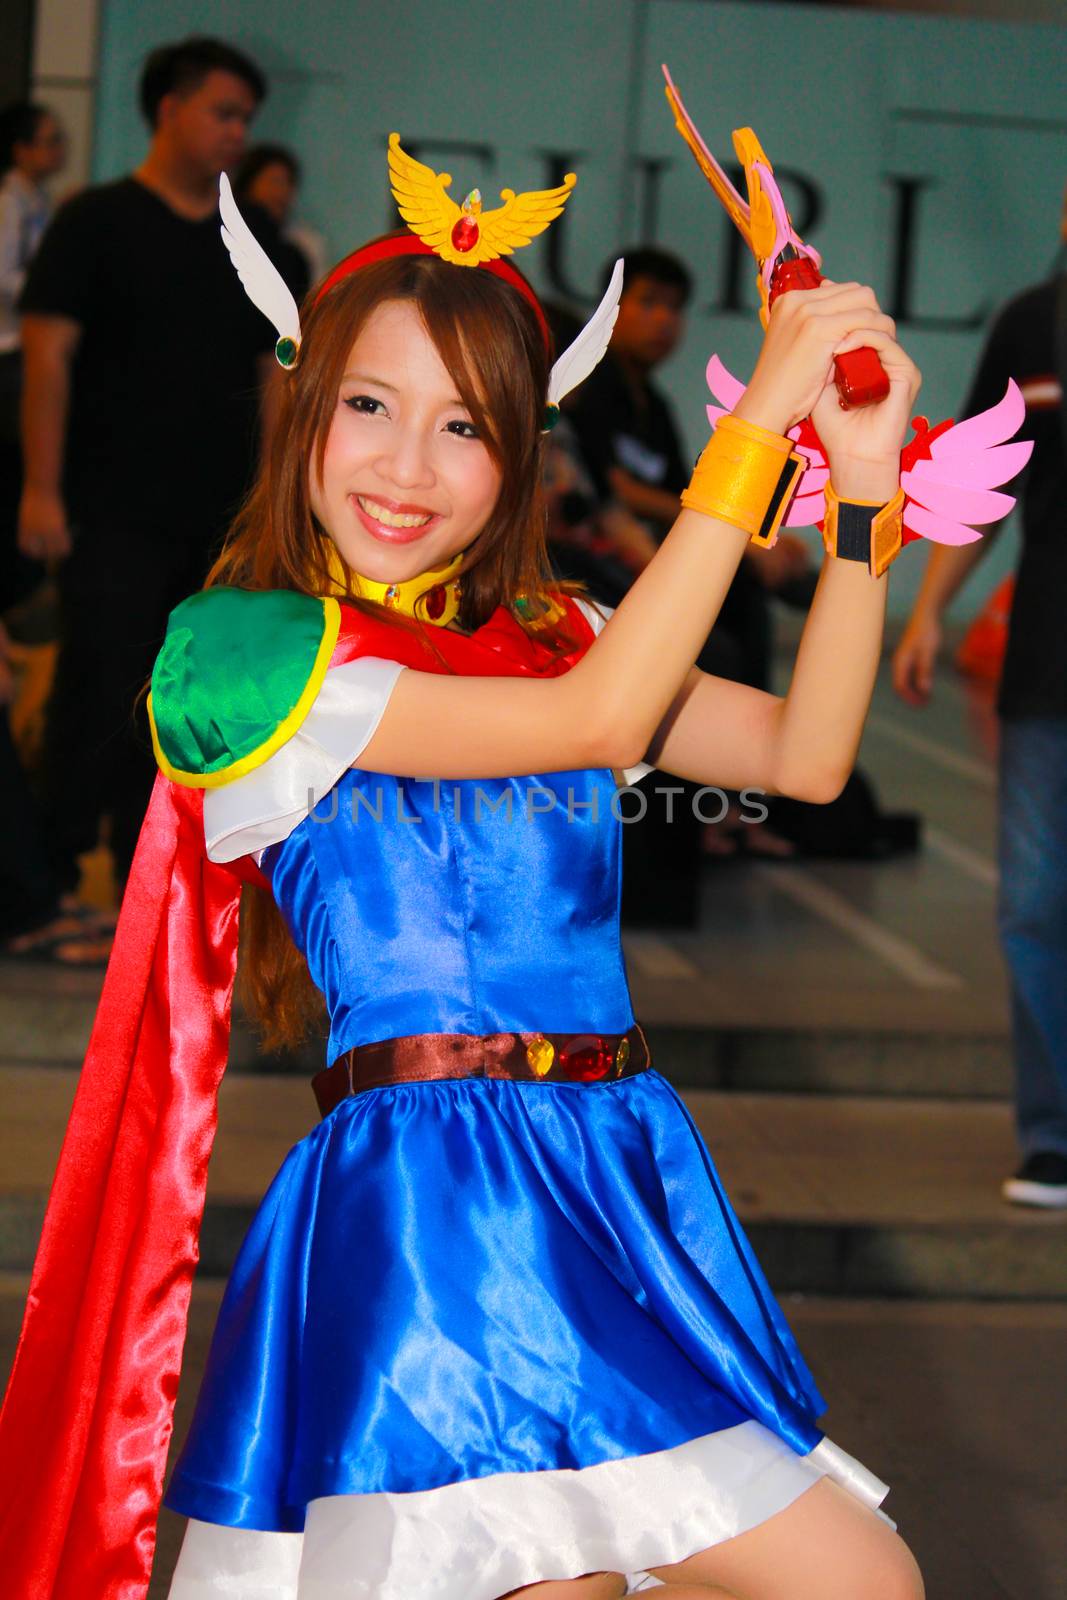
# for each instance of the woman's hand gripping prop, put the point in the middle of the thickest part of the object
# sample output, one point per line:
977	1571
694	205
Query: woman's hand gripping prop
948	473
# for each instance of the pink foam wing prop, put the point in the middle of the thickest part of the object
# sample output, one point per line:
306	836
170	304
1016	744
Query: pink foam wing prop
952	500
995	426
724	386
926	525
951	478
994	466
954	481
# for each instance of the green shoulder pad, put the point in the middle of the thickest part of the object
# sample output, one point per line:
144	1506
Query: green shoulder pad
238	673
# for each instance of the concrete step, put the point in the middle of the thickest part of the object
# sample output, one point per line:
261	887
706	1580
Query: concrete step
46	1018
944	1065
842	1195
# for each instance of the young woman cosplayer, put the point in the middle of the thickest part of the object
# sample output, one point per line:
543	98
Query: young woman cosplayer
495	1327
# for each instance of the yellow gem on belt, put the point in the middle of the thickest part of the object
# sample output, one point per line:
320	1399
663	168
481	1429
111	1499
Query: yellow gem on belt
540	1053
622	1056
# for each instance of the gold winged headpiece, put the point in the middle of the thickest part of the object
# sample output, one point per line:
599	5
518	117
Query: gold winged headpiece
466	235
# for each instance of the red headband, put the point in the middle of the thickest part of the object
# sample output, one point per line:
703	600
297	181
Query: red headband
408	244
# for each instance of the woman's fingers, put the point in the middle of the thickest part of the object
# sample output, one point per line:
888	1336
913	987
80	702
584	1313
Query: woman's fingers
898	364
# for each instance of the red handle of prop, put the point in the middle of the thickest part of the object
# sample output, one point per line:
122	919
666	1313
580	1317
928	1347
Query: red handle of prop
860	376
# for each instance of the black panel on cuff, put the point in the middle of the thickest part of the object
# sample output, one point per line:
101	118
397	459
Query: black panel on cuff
854	530
790	473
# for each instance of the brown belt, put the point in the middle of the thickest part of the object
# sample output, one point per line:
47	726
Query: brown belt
531	1057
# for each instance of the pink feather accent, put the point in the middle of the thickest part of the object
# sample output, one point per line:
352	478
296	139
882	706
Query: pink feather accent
952	500
724	386
953	482
1000	423
994	466
940	529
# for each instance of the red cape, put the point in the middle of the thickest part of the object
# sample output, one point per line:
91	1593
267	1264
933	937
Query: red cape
88	1414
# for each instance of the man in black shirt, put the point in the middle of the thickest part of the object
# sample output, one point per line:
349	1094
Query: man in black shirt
629	438
1028	342
144	364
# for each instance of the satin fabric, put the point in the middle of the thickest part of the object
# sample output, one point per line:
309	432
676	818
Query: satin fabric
459	907
88	1410
452	1280
87	1417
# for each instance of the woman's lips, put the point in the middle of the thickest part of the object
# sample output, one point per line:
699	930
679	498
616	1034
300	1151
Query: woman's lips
385	531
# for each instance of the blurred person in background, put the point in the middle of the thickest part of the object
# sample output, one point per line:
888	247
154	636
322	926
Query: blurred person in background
144	363
266	182
33	148
590	538
1027	341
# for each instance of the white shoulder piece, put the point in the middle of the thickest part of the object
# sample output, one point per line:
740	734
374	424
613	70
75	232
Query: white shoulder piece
596	615
262	808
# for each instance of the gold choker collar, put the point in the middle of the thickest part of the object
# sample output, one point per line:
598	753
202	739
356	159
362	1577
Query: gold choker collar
431	597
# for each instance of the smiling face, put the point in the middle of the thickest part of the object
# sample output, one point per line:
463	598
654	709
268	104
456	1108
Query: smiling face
406	481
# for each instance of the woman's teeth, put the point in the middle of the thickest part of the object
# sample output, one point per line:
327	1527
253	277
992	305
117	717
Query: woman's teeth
393	519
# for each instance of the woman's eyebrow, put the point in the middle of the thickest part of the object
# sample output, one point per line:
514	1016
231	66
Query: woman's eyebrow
367	377
380	383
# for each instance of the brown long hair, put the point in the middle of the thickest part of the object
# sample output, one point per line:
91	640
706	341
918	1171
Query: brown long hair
493	347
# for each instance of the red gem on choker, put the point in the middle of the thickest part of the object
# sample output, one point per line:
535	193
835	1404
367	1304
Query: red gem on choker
435	602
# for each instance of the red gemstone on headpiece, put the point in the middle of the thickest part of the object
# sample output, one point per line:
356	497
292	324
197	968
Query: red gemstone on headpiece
586	1058
435	602
465	234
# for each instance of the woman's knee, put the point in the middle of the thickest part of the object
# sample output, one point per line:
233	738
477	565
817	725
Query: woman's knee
592	1586
824	1546
897	1576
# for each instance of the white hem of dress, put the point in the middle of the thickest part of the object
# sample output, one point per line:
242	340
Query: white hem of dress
480	1538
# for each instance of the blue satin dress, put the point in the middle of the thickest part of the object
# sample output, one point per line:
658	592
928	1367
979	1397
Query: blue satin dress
449	1280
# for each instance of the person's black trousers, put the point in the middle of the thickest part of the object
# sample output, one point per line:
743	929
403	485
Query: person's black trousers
116	590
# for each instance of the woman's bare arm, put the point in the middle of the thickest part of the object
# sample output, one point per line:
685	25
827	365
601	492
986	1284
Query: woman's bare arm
804	745
602	713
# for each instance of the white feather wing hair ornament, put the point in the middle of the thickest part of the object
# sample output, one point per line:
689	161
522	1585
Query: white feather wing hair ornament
263	283
587	351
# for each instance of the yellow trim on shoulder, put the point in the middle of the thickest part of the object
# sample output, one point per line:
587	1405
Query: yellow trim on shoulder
331	627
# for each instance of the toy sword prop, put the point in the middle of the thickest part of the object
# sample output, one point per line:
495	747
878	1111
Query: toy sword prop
951	474
784	261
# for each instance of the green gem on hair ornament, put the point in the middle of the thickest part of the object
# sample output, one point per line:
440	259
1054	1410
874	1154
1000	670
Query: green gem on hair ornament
260	278
286	352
